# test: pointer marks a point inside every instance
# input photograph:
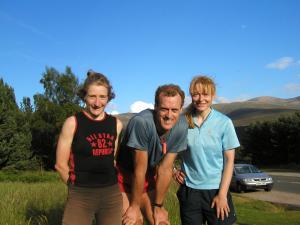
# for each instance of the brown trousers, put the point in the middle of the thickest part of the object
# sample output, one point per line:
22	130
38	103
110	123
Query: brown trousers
86	204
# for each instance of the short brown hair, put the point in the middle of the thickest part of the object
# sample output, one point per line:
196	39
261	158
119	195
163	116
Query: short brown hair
98	79
169	90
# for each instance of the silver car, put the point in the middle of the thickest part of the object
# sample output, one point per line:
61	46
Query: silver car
248	177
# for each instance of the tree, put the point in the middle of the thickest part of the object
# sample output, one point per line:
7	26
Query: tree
51	109
274	143
60	88
15	137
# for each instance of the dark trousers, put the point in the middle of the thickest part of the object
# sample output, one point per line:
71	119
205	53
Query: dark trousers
195	207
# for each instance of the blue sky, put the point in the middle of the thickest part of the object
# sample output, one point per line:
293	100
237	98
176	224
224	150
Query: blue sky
250	47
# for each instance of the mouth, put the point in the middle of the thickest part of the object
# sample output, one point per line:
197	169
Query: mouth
167	121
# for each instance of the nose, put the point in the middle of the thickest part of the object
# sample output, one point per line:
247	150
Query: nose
97	102
200	97
168	113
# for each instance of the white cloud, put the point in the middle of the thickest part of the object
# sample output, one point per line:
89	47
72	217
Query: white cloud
187	101
111	108
114	112
292	87
282	63
138	106
220	99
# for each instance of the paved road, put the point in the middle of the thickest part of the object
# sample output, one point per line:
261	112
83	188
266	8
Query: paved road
284	183
286	190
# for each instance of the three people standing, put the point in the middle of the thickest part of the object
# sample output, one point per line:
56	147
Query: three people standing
88	144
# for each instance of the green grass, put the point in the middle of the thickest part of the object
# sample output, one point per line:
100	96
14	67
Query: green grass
28	176
24	202
31	203
249	211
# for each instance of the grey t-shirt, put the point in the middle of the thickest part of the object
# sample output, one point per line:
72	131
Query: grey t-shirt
141	134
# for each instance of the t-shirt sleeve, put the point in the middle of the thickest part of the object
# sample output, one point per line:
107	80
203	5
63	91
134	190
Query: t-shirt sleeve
230	139
138	135
180	136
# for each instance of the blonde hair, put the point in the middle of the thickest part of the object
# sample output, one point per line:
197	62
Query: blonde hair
203	84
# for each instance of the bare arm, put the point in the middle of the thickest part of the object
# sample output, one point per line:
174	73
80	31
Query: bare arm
140	169
133	212
164	177
119	131
63	149
220	201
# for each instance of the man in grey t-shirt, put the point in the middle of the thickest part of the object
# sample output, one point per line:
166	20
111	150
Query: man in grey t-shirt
150	145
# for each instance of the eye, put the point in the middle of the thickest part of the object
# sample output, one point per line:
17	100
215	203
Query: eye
195	94
163	110
103	96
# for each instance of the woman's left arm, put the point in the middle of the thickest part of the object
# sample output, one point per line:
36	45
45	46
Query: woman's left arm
220	200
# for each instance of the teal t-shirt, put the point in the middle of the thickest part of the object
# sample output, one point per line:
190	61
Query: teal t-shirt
141	134
204	159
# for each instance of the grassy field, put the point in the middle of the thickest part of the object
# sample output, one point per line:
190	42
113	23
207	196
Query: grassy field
40	200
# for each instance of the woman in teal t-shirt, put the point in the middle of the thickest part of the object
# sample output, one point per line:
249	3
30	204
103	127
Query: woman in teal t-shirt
207	165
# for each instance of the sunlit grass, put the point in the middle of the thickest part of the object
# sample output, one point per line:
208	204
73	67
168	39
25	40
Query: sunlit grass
33	203
42	203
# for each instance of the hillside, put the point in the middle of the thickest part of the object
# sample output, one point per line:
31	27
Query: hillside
259	109
256	109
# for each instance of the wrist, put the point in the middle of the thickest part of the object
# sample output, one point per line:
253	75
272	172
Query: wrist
157	205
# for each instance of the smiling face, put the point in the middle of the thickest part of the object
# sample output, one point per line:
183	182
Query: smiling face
96	100
202	98
168	111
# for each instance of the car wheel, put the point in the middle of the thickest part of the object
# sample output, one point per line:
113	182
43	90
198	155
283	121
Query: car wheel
268	188
238	188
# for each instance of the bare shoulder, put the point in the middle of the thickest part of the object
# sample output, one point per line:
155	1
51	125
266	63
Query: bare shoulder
69	124
119	125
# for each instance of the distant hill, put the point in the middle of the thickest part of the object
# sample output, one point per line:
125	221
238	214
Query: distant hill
256	109
259	109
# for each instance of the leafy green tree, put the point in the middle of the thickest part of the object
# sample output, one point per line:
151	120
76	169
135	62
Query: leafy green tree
60	88
274	143
58	101
15	136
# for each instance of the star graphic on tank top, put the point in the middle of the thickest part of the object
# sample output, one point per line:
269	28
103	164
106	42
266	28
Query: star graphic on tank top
109	143
93	144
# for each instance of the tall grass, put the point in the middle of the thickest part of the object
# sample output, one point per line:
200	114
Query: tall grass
42	203
31	203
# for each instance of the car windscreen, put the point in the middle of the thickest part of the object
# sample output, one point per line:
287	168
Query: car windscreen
246	169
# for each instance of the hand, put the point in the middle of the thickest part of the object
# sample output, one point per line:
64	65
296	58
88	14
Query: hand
160	216
221	205
178	175
132	216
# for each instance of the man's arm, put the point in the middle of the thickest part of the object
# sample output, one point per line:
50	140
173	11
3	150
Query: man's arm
164	177
220	201
133	212
140	169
